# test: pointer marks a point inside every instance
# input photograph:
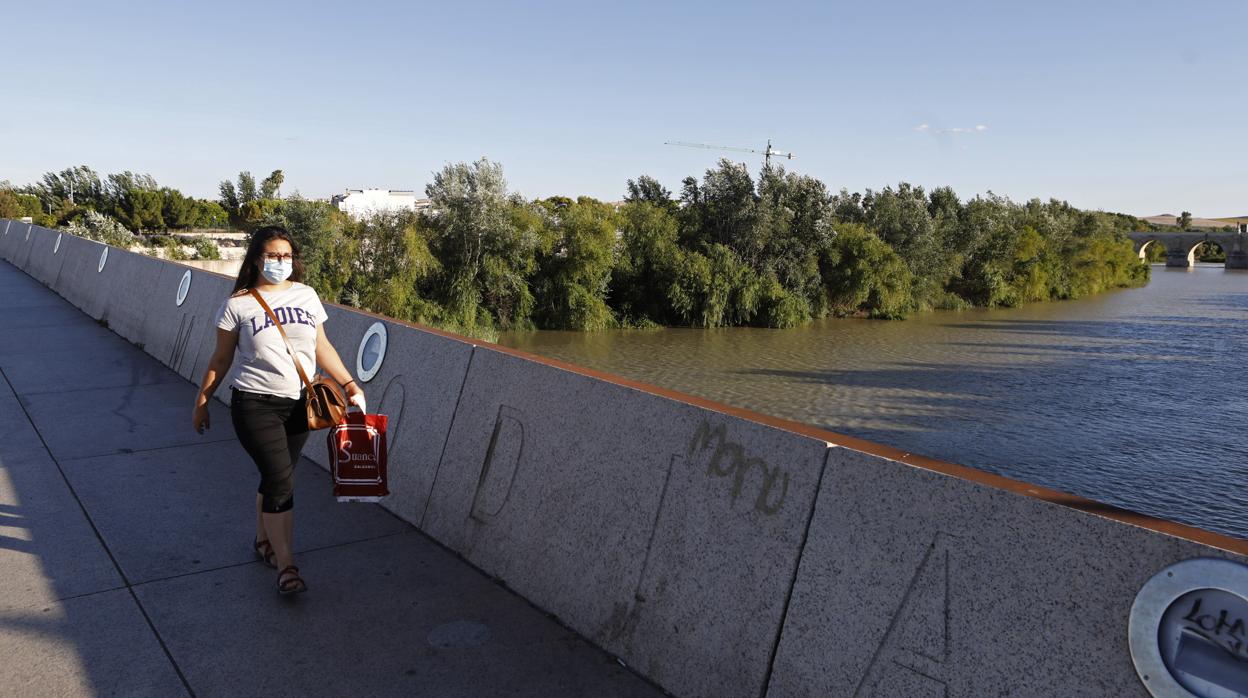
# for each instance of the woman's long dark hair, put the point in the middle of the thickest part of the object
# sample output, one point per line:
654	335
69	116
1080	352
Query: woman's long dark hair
250	274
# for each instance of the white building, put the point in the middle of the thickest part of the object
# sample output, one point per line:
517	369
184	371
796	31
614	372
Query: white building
358	203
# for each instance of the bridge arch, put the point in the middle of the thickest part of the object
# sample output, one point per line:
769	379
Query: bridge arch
1148	248
1181	247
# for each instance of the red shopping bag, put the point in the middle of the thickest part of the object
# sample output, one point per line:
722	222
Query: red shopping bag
357	457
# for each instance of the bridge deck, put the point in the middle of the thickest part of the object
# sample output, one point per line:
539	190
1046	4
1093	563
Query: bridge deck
124	546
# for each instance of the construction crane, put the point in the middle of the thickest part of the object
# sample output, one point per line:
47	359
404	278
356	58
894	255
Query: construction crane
765	153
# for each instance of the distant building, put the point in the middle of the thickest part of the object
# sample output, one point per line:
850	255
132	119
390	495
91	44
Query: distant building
358	203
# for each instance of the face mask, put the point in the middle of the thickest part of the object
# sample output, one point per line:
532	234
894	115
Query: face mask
277	272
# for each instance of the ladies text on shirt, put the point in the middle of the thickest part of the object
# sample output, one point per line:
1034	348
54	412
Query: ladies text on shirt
266	367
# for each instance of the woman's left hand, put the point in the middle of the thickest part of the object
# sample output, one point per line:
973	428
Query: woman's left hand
355	396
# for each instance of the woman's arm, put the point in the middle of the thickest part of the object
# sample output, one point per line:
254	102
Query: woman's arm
327	358
218	366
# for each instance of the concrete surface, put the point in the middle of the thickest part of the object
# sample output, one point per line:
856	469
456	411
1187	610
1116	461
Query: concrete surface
913	582
46	256
81	276
665	532
127	571
131	283
183	337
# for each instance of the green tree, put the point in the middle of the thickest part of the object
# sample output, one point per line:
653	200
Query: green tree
229	197
80	184
246	188
118	186
862	273
648	189
177	211
647	264
391	263
271	185
209	214
571	282
141	210
206	249
485	241
1185	221
1155	253
326	250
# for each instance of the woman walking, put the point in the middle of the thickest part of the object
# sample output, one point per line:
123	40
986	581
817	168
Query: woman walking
267	401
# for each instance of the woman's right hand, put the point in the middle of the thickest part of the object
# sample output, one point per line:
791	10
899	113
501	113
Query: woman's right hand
200	420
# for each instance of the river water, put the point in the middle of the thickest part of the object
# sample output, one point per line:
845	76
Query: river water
1135	397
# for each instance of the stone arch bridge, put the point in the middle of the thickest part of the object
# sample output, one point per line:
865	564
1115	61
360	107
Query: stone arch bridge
1181	247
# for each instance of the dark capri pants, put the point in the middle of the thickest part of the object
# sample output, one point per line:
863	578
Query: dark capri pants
272	430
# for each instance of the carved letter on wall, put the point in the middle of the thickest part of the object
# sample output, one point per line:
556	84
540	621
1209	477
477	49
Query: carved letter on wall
502	458
913	657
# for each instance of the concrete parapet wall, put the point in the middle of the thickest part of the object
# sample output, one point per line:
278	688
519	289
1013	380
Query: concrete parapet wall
917	583
417	386
666	532
46	255
183	337
79	280
718	552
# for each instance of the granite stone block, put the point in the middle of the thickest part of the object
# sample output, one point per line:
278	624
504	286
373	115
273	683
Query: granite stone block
47	254
131	285
81	281
417	387
25	238
183	337
9	236
914	582
666	532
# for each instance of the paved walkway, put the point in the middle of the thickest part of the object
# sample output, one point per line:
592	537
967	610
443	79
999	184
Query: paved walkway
125	566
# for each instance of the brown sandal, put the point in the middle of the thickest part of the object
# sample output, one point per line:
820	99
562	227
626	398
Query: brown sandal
264	551
292	584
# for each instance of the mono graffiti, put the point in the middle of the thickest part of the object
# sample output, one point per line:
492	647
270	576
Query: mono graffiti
729	459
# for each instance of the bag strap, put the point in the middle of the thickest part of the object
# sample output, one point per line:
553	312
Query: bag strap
289	349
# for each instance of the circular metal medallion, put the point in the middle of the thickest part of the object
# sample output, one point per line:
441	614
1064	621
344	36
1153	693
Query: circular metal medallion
1188	630
184	287
103	259
371	353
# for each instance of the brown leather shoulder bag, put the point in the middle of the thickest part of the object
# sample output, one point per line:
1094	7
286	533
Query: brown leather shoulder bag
327	404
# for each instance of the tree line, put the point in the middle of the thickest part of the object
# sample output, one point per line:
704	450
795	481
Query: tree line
134	200
728	249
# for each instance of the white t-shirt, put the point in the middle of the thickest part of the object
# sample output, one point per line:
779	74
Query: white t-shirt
266	366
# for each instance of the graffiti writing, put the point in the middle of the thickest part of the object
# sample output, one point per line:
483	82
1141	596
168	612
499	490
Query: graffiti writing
729	459
1221	628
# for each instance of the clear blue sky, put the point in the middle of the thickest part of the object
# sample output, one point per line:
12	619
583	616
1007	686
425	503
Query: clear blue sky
1139	107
